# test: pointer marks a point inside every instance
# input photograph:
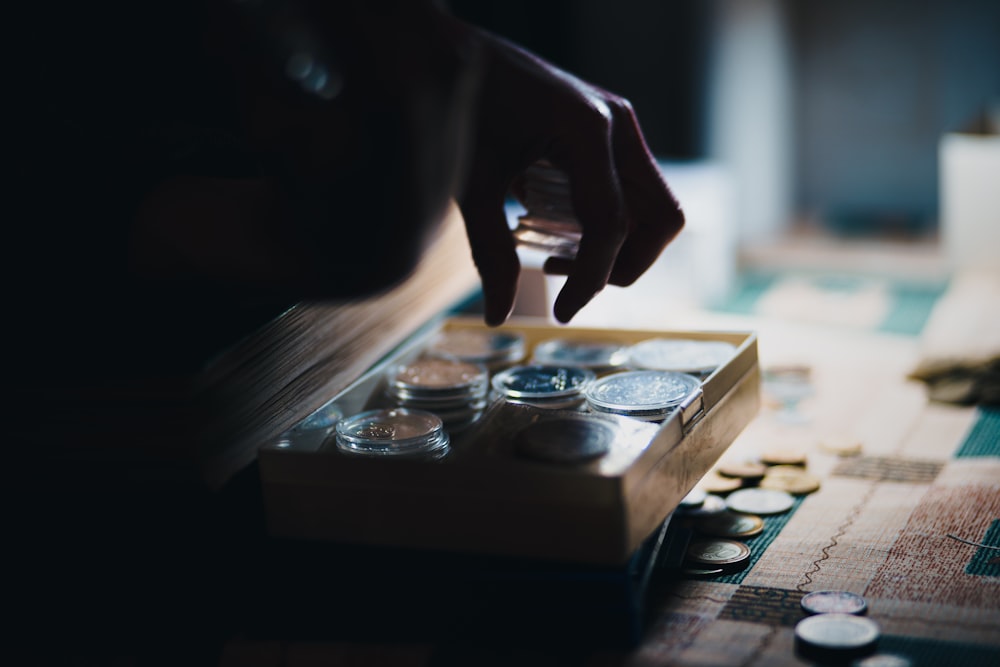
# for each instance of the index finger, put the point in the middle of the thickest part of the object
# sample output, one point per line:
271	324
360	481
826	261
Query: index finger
588	159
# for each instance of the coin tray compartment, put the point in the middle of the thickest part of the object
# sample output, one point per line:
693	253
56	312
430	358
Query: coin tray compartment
484	498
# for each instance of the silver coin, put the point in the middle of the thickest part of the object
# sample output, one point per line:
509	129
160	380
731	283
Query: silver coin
478	346
833	632
826	602
542	381
718	552
711	506
760	501
565	439
694	499
680	355
641	391
594	354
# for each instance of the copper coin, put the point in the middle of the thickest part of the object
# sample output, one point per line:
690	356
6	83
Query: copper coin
713	482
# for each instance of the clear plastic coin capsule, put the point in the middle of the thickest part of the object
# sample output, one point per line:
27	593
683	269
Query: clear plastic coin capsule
542	385
680	355
453	390
594	354
646	395
493	349
397	432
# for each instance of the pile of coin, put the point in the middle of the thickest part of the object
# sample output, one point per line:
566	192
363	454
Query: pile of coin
549	224
453	390
834	630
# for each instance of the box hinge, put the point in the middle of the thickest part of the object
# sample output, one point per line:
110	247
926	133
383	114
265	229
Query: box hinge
692	410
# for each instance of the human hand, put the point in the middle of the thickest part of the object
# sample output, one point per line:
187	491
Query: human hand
530	110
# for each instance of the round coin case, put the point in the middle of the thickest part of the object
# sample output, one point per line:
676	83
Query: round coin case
566	439
682	355
597	355
454	390
493	349
395	432
644	395
543	385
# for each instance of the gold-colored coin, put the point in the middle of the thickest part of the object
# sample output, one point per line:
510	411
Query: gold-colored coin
841	445
713	482
790	478
749	470
731	524
784	455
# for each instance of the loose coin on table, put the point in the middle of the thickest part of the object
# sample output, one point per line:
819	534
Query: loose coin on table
713	482
840	444
718	553
731	524
695	498
711	505
760	501
783	455
793	479
841	636
827	602
748	470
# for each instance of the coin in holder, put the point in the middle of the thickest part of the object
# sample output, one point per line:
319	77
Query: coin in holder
540	385
680	355
566	439
598	355
454	390
646	395
393	433
494	349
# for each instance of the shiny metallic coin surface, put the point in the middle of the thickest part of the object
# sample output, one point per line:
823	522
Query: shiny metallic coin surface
793	479
760	501
731	524
479	346
566	440
542	381
827	602
695	498
702	573
717	552
641	391
712	504
835	632
392	432
594	354
680	355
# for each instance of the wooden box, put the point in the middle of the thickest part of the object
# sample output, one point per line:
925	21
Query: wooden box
484	499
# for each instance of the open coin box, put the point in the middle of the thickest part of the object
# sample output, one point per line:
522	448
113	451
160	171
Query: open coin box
484	498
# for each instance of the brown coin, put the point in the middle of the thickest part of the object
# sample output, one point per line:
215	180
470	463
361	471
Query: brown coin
749	470
731	524
780	455
792	479
713	482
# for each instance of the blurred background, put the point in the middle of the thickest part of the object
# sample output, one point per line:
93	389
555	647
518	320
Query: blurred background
842	142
